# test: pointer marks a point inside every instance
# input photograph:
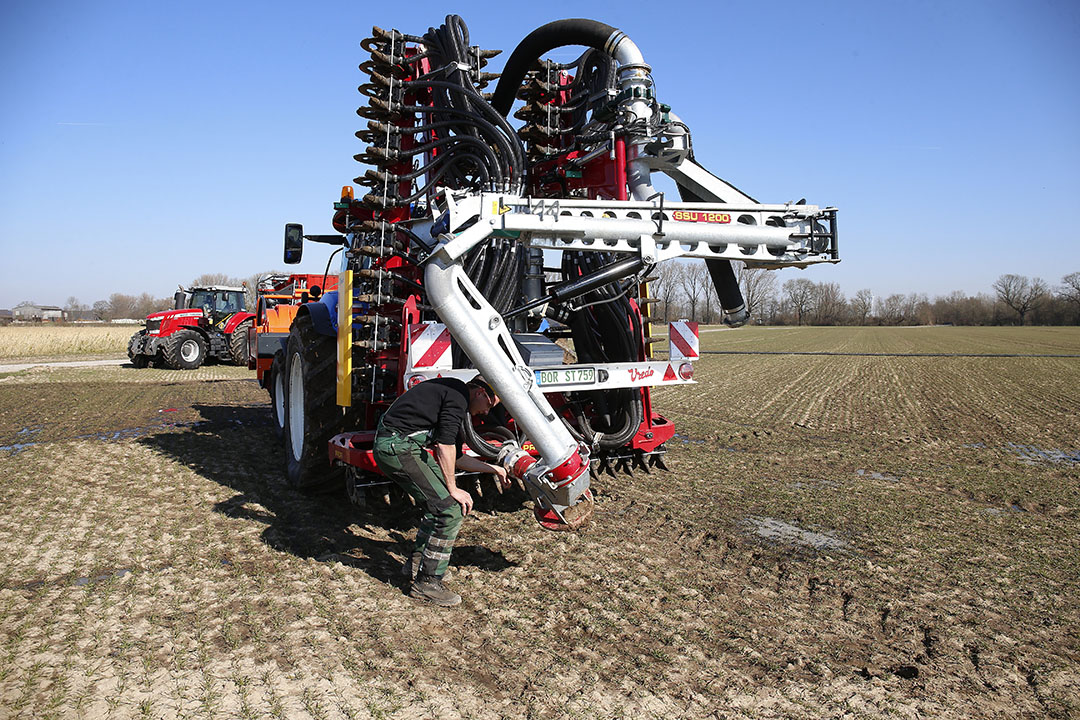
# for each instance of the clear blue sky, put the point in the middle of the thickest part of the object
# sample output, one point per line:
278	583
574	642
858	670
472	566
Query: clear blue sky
143	144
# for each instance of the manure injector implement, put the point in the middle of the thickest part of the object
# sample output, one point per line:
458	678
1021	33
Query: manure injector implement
523	254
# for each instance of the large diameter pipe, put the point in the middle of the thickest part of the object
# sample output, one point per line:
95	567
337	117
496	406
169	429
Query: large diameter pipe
572	31
481	333
634	74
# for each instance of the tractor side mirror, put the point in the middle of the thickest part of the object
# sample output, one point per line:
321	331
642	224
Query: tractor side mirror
179	300
294	243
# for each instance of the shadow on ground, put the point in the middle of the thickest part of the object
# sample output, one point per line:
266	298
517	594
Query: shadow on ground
234	447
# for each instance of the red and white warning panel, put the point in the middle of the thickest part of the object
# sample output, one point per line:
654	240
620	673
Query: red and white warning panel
429	356
429	347
612	376
683	340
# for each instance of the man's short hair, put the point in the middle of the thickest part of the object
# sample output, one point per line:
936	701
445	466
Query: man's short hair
480	382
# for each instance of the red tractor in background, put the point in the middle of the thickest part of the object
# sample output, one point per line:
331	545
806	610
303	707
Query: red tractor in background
280	296
206	322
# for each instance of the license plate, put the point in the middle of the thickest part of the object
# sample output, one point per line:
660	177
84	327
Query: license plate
566	376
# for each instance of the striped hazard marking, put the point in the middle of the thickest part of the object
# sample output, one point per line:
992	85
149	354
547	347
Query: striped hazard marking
429	346
683	340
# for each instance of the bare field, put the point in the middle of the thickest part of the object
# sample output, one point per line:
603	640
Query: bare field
840	536
40	342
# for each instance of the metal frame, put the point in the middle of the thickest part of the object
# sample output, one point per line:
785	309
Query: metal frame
647	228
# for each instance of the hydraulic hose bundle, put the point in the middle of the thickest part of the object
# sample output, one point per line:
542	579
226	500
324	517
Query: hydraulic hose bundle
430	127
434	82
558	99
606	329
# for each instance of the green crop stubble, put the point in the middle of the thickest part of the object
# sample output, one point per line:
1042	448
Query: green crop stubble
667	587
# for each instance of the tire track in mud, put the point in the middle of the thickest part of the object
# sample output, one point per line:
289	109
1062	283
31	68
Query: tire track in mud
906	622
872	626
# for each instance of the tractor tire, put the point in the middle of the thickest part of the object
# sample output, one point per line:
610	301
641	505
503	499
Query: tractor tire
137	359
238	343
276	386
185	350
313	415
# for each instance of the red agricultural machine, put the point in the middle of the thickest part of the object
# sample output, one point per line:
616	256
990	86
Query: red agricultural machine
206	322
522	253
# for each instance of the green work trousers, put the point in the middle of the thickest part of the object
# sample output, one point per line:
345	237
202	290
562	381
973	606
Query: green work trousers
405	460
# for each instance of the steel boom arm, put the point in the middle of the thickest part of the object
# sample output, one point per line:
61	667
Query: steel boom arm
654	230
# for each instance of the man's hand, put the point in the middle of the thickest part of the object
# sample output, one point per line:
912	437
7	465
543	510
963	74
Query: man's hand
471	464
502	480
463	498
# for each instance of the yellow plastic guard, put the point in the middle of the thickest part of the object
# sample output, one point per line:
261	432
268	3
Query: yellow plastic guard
344	339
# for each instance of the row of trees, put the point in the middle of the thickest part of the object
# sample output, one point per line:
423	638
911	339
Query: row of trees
685	290
117	307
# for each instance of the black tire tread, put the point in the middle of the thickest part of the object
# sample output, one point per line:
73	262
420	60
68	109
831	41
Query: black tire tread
238	342
171	351
323	418
138	360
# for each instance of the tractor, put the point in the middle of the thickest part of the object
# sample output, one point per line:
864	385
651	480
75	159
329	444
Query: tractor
522	253
279	297
205	322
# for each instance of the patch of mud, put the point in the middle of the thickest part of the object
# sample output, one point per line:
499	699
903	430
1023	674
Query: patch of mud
24	434
1031	455
16	448
137	432
83	581
782	533
876	475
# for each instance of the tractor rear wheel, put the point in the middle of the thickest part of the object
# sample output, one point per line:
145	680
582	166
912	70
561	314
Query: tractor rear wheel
137	359
238	343
311	405
185	350
276	386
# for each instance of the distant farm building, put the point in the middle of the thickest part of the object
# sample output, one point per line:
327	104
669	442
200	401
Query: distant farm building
28	312
6	317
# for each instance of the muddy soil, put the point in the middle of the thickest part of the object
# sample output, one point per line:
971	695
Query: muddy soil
789	565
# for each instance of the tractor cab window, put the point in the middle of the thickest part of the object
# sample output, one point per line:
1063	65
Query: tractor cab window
218	301
202	299
231	301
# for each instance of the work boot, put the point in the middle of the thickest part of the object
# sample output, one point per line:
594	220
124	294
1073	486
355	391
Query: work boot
432	590
411	566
